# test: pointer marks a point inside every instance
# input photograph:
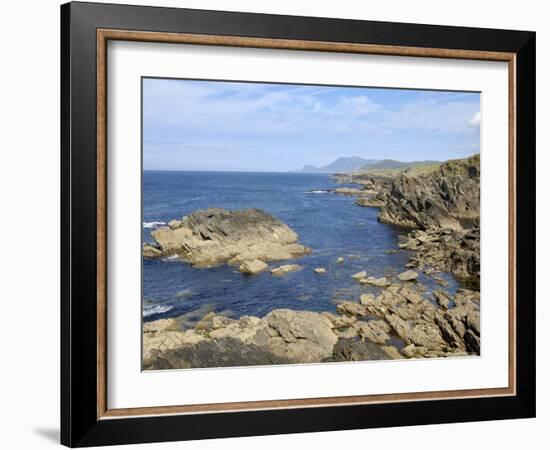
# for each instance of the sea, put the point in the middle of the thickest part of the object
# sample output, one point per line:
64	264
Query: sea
332	225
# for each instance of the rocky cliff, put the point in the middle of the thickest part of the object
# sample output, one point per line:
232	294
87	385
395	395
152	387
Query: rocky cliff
447	198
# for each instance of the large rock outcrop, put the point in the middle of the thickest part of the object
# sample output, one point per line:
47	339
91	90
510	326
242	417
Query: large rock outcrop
447	198
214	236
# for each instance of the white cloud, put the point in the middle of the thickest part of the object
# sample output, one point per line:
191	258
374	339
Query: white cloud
475	120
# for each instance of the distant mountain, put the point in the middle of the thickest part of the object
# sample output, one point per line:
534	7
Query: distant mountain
343	164
387	164
357	164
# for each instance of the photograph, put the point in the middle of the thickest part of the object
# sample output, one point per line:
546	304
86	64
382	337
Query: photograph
293	223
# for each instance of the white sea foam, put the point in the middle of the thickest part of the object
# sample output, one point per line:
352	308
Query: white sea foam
153	224
156	309
318	191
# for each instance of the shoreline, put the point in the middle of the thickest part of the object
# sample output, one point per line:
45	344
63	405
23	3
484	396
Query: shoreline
362	329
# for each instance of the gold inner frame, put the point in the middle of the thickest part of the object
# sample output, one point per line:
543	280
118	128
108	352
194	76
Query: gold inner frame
103	36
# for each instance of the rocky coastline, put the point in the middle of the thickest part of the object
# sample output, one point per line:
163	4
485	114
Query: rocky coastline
397	319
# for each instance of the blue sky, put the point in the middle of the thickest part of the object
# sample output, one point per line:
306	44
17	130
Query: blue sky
218	125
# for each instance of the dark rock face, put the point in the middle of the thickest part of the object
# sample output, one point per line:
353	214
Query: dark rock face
448	198
224	352
350	349
455	251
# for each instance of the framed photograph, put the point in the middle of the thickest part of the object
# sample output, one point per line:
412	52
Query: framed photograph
277	224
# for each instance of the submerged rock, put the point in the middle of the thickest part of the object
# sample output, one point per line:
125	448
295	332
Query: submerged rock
319	270
285	268
214	236
359	275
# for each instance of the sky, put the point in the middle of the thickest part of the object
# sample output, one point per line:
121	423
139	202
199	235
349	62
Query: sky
237	126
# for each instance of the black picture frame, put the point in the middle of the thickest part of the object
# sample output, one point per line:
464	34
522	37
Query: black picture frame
80	425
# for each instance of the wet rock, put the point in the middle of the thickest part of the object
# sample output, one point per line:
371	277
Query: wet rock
359	275
285	268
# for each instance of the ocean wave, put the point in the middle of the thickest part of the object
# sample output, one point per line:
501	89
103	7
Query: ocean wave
318	191
171	258
156	309
153	224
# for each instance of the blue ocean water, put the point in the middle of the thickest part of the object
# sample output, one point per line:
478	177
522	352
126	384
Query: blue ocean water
332	225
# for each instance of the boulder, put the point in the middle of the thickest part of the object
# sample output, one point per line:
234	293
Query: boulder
305	336
285	268
340	260
409	275
379	282
151	252
359	275
319	270
173	224
253	267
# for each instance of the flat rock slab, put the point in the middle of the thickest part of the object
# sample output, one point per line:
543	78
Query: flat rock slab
285	268
409	275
